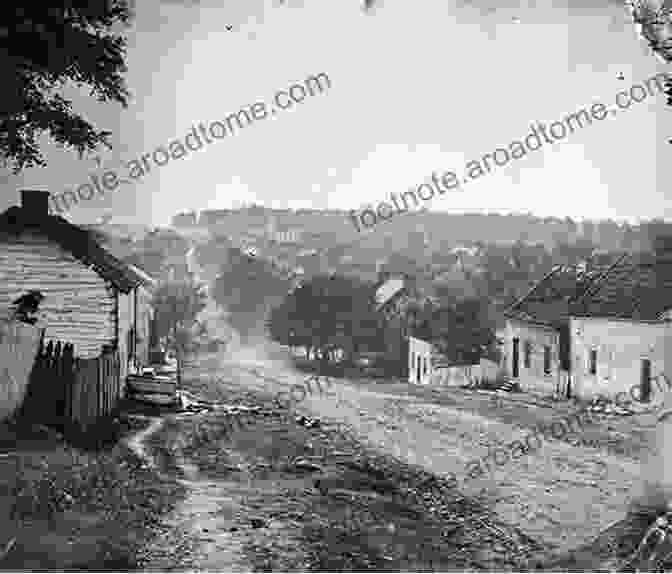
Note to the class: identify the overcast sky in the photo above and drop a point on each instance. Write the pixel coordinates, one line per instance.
(417, 85)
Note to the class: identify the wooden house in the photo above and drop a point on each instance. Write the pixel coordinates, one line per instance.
(92, 300)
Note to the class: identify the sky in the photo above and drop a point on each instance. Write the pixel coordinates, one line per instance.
(416, 86)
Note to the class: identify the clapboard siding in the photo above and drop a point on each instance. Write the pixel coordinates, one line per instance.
(79, 305)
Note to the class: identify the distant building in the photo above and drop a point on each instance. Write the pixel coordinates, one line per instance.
(214, 216)
(288, 236)
(601, 330)
(420, 368)
(185, 219)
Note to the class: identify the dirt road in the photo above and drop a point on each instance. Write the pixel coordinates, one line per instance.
(561, 494)
(275, 493)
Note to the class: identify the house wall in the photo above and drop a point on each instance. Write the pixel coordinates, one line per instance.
(533, 378)
(419, 350)
(620, 346)
(79, 304)
(143, 325)
(126, 323)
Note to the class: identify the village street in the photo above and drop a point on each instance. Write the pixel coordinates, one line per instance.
(560, 496)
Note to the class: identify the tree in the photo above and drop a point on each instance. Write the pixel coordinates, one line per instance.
(247, 287)
(655, 19)
(658, 235)
(42, 50)
(464, 332)
(326, 313)
(177, 305)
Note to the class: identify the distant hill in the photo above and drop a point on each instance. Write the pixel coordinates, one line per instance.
(443, 229)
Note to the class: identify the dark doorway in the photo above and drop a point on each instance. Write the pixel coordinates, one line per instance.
(645, 391)
(418, 374)
(515, 358)
(564, 348)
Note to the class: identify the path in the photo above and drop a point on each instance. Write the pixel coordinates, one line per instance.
(561, 494)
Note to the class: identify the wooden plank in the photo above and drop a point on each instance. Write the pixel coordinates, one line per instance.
(82, 391)
(73, 397)
(153, 398)
(84, 399)
(67, 387)
(152, 387)
(78, 418)
(90, 386)
(74, 406)
(108, 381)
(108, 386)
(92, 390)
(98, 375)
(103, 383)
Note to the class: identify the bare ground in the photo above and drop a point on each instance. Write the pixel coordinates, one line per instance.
(272, 494)
(358, 483)
(571, 494)
(64, 508)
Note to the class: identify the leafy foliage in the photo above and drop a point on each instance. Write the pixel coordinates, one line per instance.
(463, 330)
(659, 236)
(247, 286)
(327, 312)
(44, 48)
(177, 304)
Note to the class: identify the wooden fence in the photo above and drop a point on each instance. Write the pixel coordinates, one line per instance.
(69, 391)
(18, 346)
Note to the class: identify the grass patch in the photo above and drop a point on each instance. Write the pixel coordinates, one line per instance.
(69, 508)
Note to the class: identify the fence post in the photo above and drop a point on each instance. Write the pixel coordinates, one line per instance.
(74, 407)
(68, 382)
(100, 373)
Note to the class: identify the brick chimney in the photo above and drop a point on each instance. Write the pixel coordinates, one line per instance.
(35, 203)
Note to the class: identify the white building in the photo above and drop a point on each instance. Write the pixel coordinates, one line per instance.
(419, 361)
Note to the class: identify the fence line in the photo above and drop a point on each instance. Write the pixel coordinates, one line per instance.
(71, 391)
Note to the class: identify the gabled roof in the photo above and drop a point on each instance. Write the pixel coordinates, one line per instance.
(76, 241)
(143, 277)
(388, 290)
(551, 300)
(638, 288)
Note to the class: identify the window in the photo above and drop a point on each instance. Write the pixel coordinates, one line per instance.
(528, 354)
(424, 369)
(592, 362)
(547, 360)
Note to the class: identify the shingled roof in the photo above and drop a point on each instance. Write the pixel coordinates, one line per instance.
(76, 241)
(638, 288)
(551, 300)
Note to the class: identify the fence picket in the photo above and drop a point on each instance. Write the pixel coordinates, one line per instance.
(84, 390)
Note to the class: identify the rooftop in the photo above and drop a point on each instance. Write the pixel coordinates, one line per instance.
(72, 238)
